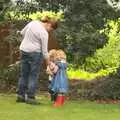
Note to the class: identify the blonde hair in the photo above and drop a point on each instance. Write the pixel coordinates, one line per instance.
(52, 54)
(60, 54)
(54, 23)
(55, 54)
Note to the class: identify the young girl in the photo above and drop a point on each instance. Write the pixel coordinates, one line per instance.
(59, 83)
(51, 70)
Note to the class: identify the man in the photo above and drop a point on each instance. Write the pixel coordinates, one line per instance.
(33, 50)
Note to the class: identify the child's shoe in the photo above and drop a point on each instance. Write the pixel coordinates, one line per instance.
(60, 101)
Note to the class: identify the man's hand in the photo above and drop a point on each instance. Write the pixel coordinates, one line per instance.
(48, 71)
(46, 61)
(18, 32)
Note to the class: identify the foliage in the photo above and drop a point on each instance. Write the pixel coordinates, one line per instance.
(9, 76)
(101, 88)
(39, 15)
(109, 55)
(3, 8)
(79, 74)
(25, 8)
(36, 16)
(54, 5)
(13, 38)
(79, 35)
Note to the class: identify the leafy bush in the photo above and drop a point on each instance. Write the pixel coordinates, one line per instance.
(36, 16)
(81, 74)
(79, 35)
(109, 55)
(9, 76)
(102, 88)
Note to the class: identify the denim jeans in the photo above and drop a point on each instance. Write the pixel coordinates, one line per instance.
(29, 72)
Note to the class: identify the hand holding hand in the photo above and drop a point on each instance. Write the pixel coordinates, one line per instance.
(48, 71)
(55, 69)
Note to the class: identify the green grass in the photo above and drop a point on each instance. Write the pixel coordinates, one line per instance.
(72, 110)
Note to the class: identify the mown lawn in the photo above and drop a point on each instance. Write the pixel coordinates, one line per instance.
(73, 110)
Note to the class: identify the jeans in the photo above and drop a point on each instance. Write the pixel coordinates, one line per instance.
(29, 73)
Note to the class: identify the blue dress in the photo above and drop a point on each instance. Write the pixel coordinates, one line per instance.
(59, 82)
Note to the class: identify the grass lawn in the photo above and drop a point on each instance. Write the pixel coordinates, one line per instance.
(72, 110)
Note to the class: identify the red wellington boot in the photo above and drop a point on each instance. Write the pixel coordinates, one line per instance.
(60, 101)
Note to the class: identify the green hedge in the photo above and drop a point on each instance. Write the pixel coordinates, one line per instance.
(102, 88)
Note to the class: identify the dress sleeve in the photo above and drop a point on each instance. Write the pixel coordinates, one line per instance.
(61, 65)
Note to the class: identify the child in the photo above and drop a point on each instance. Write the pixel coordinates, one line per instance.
(59, 83)
(51, 70)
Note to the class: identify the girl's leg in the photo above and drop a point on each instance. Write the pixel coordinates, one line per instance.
(53, 95)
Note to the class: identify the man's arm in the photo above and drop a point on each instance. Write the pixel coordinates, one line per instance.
(44, 47)
(23, 31)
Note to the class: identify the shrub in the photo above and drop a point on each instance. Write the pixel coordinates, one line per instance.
(109, 55)
(81, 74)
(9, 76)
(36, 16)
(102, 88)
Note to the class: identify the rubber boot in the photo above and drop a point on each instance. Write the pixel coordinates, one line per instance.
(59, 101)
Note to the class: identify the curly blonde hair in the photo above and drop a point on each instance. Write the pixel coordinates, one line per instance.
(53, 22)
(55, 54)
(52, 54)
(60, 55)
